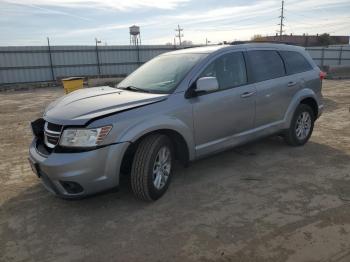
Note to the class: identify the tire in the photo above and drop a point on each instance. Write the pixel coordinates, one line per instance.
(298, 137)
(147, 168)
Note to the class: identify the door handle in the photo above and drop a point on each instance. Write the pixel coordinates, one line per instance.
(292, 84)
(247, 94)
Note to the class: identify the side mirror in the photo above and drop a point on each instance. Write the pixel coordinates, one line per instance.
(206, 84)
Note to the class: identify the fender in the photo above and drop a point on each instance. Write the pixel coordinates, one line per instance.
(297, 98)
(133, 133)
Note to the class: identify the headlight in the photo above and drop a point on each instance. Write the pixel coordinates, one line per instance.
(82, 137)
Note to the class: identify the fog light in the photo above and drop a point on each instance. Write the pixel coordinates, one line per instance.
(72, 187)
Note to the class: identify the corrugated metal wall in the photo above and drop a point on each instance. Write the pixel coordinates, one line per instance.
(330, 56)
(34, 64)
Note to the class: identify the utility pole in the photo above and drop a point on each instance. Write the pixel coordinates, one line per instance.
(281, 22)
(98, 56)
(207, 41)
(179, 33)
(50, 59)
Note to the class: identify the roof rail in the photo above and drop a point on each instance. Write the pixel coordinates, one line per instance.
(261, 42)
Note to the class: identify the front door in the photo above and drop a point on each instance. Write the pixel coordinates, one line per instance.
(230, 110)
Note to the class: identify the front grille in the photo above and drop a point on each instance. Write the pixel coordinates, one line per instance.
(54, 127)
(52, 134)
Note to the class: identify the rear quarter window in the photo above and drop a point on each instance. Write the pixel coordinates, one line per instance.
(295, 62)
(265, 64)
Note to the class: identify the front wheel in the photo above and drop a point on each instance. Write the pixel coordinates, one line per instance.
(301, 126)
(152, 167)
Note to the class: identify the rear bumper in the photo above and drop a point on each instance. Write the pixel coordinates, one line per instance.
(320, 110)
(92, 171)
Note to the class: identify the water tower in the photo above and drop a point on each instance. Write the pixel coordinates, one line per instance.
(135, 37)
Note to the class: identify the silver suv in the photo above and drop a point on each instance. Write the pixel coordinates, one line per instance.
(181, 105)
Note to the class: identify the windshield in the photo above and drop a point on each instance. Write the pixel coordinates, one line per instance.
(161, 74)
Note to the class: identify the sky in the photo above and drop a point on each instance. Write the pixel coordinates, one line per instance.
(77, 22)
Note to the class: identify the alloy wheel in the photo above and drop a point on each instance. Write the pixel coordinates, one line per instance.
(161, 167)
(303, 125)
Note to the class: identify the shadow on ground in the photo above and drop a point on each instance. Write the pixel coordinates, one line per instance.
(251, 202)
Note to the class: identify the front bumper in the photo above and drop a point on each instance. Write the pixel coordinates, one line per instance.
(93, 171)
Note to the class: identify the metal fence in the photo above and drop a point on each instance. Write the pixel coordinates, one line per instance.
(45, 63)
(330, 56)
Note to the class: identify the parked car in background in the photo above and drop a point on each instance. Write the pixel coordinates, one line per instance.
(181, 105)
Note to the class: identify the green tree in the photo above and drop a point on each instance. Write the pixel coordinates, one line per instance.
(325, 39)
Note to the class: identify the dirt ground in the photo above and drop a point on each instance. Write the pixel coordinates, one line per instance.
(264, 201)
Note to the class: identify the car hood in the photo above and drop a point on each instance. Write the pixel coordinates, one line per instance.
(80, 106)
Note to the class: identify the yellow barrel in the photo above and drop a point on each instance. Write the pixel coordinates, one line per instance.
(71, 84)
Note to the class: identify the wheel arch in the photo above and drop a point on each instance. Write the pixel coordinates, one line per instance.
(310, 101)
(304, 96)
(181, 147)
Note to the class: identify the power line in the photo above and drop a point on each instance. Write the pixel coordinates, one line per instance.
(281, 22)
(179, 33)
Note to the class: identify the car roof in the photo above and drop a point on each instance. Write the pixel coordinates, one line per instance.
(219, 48)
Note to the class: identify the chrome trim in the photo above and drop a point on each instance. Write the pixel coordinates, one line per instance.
(48, 144)
(50, 131)
(52, 134)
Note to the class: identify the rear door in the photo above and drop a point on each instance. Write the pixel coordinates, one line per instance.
(269, 74)
(227, 111)
(300, 72)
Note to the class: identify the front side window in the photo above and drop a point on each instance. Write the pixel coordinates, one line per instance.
(295, 62)
(266, 64)
(161, 74)
(229, 70)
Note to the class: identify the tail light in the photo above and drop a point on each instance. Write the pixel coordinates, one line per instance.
(322, 75)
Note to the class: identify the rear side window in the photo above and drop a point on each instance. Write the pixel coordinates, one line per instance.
(295, 62)
(266, 64)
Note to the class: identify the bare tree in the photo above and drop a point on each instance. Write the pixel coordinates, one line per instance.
(257, 38)
(187, 42)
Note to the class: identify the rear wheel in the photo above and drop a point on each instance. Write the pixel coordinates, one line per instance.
(301, 126)
(152, 167)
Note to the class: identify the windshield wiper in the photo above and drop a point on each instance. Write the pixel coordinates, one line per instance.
(134, 88)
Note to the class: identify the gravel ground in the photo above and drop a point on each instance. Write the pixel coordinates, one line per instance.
(260, 202)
